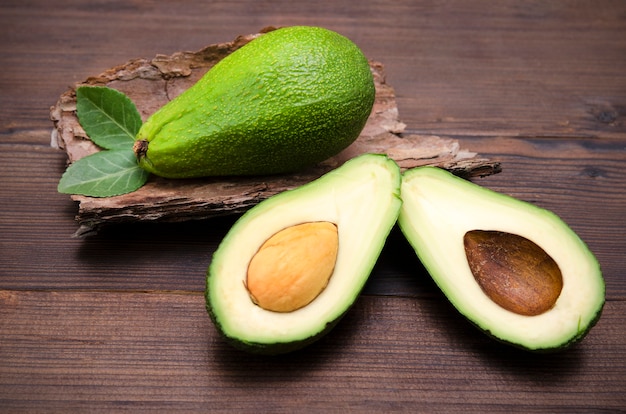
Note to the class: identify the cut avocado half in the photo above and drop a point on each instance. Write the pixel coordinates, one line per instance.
(333, 228)
(483, 249)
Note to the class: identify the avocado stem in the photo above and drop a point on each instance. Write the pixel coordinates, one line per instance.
(140, 148)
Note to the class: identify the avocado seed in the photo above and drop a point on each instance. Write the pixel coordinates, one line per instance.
(513, 271)
(293, 266)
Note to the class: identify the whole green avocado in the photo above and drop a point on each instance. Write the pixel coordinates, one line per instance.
(290, 98)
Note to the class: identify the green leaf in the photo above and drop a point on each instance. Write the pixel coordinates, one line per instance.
(104, 174)
(109, 117)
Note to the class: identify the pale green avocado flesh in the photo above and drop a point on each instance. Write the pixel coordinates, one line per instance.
(439, 208)
(362, 198)
(289, 99)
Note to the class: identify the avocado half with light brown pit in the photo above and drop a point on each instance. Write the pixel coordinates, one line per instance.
(293, 265)
(515, 270)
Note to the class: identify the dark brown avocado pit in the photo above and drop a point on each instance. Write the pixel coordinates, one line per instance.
(513, 271)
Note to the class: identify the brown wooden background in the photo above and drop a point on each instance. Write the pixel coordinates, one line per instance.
(116, 323)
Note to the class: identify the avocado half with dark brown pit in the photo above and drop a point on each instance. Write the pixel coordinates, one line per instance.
(515, 270)
(293, 265)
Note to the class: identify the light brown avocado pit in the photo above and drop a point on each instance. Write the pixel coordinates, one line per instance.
(293, 266)
(513, 271)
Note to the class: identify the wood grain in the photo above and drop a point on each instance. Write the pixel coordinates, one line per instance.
(583, 181)
(100, 351)
(469, 67)
(117, 323)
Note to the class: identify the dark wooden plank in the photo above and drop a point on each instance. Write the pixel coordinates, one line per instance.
(583, 181)
(104, 351)
(515, 69)
(460, 67)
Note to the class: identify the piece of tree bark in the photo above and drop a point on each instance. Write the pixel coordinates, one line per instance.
(152, 83)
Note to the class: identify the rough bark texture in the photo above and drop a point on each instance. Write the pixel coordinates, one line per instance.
(152, 83)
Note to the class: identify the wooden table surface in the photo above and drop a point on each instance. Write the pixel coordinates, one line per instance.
(116, 322)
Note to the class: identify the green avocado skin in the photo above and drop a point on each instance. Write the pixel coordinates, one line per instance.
(273, 349)
(290, 98)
